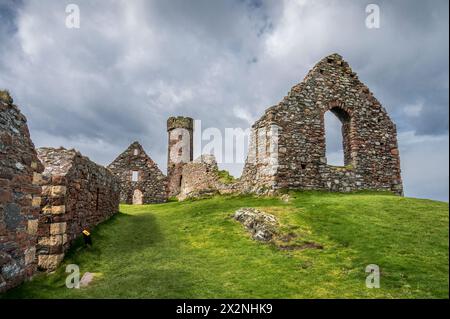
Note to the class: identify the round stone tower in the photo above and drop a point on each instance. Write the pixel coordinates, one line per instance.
(181, 150)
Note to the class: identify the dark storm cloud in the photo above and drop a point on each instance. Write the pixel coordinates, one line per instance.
(134, 63)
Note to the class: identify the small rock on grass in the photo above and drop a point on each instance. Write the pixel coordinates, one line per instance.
(262, 226)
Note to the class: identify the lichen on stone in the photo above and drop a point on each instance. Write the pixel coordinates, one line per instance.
(6, 97)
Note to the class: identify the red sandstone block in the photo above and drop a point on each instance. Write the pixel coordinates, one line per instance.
(5, 196)
(4, 183)
(58, 180)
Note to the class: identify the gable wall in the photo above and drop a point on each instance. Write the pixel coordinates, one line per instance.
(151, 182)
(371, 149)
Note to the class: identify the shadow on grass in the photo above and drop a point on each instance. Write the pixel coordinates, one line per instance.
(115, 242)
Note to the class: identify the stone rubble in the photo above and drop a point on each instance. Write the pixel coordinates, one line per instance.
(262, 226)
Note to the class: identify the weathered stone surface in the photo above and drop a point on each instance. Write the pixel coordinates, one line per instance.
(297, 158)
(151, 183)
(12, 216)
(58, 228)
(262, 226)
(58, 191)
(30, 255)
(180, 151)
(18, 165)
(77, 194)
(50, 262)
(32, 227)
(201, 178)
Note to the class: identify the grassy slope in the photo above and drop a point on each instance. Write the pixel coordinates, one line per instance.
(196, 250)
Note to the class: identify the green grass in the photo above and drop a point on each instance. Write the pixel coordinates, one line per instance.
(195, 249)
(225, 177)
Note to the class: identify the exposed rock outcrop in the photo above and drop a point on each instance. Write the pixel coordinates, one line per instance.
(262, 226)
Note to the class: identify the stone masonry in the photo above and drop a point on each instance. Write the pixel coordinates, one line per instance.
(201, 178)
(180, 150)
(77, 194)
(288, 143)
(20, 196)
(141, 180)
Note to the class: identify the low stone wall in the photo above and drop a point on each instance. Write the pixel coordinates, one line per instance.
(77, 194)
(201, 178)
(19, 196)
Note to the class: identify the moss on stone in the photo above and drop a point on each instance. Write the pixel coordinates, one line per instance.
(225, 177)
(180, 122)
(5, 97)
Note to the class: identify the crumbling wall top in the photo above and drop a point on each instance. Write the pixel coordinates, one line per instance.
(6, 97)
(180, 122)
(57, 161)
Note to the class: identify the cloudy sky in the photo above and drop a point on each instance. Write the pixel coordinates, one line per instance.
(134, 63)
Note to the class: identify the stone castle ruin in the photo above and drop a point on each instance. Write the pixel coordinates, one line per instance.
(48, 197)
(287, 144)
(140, 178)
(298, 161)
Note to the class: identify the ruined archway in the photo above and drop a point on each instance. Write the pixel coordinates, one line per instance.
(137, 197)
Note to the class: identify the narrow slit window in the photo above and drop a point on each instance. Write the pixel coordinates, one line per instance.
(97, 199)
(134, 176)
(334, 140)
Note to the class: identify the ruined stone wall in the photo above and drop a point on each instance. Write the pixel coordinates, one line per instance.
(151, 184)
(19, 196)
(180, 150)
(369, 136)
(77, 194)
(261, 167)
(201, 178)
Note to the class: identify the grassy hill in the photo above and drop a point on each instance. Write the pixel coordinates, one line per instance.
(195, 249)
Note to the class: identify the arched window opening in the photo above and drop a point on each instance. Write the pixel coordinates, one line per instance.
(337, 135)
